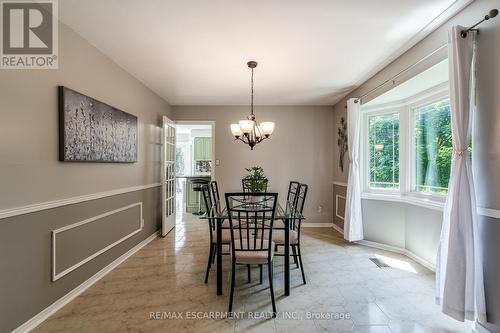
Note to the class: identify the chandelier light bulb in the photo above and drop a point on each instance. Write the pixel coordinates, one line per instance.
(267, 128)
(236, 130)
(246, 126)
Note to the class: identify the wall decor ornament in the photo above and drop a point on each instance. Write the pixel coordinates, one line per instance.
(92, 131)
(342, 142)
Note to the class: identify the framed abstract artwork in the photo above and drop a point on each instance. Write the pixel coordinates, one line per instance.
(93, 131)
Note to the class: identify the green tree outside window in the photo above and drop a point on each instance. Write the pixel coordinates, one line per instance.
(384, 151)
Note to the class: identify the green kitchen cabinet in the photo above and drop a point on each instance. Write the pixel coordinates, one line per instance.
(202, 149)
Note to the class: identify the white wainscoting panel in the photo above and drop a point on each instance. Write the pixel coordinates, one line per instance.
(55, 274)
(57, 305)
(337, 196)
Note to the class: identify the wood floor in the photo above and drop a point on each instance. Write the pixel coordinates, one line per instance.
(161, 289)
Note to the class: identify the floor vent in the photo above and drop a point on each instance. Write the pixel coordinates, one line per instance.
(379, 263)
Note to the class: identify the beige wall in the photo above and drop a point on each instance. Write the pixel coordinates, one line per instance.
(300, 149)
(486, 149)
(29, 168)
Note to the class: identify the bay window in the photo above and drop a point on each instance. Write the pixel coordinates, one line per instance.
(407, 147)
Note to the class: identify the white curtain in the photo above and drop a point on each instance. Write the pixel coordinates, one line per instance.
(353, 222)
(459, 271)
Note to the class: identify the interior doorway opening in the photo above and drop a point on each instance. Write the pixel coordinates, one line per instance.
(194, 166)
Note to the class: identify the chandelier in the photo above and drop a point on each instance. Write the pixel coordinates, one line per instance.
(249, 131)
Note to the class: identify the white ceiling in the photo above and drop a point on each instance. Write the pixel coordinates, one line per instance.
(194, 52)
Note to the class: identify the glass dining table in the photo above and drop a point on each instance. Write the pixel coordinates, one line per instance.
(285, 213)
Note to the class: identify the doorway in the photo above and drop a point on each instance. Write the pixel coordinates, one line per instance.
(195, 151)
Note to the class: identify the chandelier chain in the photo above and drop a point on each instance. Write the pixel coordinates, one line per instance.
(251, 105)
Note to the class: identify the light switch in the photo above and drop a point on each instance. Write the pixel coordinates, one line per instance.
(217, 162)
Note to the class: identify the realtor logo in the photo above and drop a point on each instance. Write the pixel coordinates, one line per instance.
(29, 34)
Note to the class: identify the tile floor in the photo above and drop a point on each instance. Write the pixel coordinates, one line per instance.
(345, 292)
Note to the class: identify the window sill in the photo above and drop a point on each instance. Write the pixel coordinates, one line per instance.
(421, 202)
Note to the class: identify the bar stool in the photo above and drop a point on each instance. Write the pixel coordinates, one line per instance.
(198, 187)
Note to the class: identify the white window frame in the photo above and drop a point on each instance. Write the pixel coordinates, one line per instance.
(365, 137)
(405, 108)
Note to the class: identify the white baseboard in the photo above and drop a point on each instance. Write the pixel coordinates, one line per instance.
(400, 250)
(381, 246)
(421, 260)
(317, 224)
(478, 328)
(324, 225)
(338, 229)
(54, 307)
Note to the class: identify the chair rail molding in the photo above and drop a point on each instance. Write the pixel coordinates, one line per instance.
(10, 212)
(494, 213)
(55, 275)
(439, 206)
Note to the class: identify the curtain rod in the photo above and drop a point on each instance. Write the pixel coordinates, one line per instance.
(492, 13)
(392, 79)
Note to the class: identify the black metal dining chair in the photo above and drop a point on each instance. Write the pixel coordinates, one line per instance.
(251, 218)
(295, 228)
(293, 188)
(215, 193)
(291, 196)
(211, 210)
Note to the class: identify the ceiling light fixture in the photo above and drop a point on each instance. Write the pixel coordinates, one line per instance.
(249, 131)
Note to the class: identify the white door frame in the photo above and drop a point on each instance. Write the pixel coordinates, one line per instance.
(203, 122)
(168, 190)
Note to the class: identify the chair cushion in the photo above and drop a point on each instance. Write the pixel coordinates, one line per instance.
(254, 256)
(279, 237)
(278, 224)
(226, 236)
